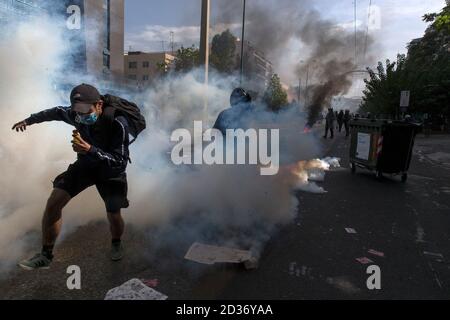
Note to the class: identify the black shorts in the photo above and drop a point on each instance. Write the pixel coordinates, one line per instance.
(112, 188)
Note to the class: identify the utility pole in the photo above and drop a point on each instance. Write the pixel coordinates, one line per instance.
(172, 37)
(204, 48)
(242, 44)
(306, 87)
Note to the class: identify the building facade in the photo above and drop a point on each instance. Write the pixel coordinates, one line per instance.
(258, 70)
(141, 68)
(94, 30)
(104, 32)
(18, 10)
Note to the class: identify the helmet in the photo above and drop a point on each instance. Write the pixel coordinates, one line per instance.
(239, 96)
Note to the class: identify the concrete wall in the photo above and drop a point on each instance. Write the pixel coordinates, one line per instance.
(140, 71)
(96, 27)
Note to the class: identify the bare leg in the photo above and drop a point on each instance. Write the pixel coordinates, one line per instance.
(116, 224)
(52, 220)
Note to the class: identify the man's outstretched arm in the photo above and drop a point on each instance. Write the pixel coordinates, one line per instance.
(55, 114)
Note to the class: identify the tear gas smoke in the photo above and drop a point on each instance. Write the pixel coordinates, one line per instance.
(222, 204)
(293, 33)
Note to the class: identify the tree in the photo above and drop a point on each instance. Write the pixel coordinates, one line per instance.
(187, 59)
(223, 52)
(425, 71)
(275, 97)
(382, 92)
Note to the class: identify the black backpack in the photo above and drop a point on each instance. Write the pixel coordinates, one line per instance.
(115, 106)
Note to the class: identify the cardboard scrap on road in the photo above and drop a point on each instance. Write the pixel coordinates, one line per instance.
(376, 253)
(207, 254)
(134, 289)
(364, 260)
(350, 230)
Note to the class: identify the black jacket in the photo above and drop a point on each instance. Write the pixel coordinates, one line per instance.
(112, 154)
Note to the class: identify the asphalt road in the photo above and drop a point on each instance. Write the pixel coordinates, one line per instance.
(312, 258)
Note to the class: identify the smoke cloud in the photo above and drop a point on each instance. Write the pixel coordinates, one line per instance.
(302, 44)
(219, 204)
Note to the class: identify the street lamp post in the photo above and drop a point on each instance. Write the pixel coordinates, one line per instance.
(204, 50)
(242, 43)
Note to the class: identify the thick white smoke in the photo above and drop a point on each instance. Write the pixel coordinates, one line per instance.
(223, 204)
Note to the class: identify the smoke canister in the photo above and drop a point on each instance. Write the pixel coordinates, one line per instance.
(76, 137)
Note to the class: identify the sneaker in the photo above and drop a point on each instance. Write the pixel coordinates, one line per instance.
(39, 261)
(116, 252)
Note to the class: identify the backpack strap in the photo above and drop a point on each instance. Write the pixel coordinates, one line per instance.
(106, 123)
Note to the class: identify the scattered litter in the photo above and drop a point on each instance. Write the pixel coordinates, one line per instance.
(432, 254)
(210, 255)
(350, 230)
(297, 271)
(364, 260)
(134, 289)
(343, 284)
(152, 283)
(376, 253)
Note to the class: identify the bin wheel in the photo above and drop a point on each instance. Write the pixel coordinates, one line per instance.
(353, 167)
(404, 177)
(379, 174)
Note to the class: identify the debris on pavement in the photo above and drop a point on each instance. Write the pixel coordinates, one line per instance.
(364, 260)
(343, 284)
(152, 283)
(350, 230)
(376, 253)
(134, 289)
(332, 162)
(207, 254)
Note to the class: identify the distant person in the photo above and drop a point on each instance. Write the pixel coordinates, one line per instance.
(329, 123)
(234, 117)
(335, 118)
(346, 120)
(340, 120)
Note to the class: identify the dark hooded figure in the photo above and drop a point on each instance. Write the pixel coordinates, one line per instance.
(347, 118)
(329, 123)
(234, 117)
(340, 120)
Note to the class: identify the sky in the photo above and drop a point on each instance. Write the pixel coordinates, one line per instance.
(150, 22)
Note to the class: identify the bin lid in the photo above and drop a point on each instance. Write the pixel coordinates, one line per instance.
(368, 122)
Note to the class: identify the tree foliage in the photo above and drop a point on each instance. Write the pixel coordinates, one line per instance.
(187, 59)
(275, 97)
(425, 71)
(223, 52)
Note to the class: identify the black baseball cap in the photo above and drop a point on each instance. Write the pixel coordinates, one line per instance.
(83, 97)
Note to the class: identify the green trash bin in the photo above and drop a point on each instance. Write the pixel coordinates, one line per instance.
(382, 146)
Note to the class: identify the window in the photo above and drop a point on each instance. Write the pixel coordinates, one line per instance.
(132, 77)
(132, 65)
(145, 78)
(146, 64)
